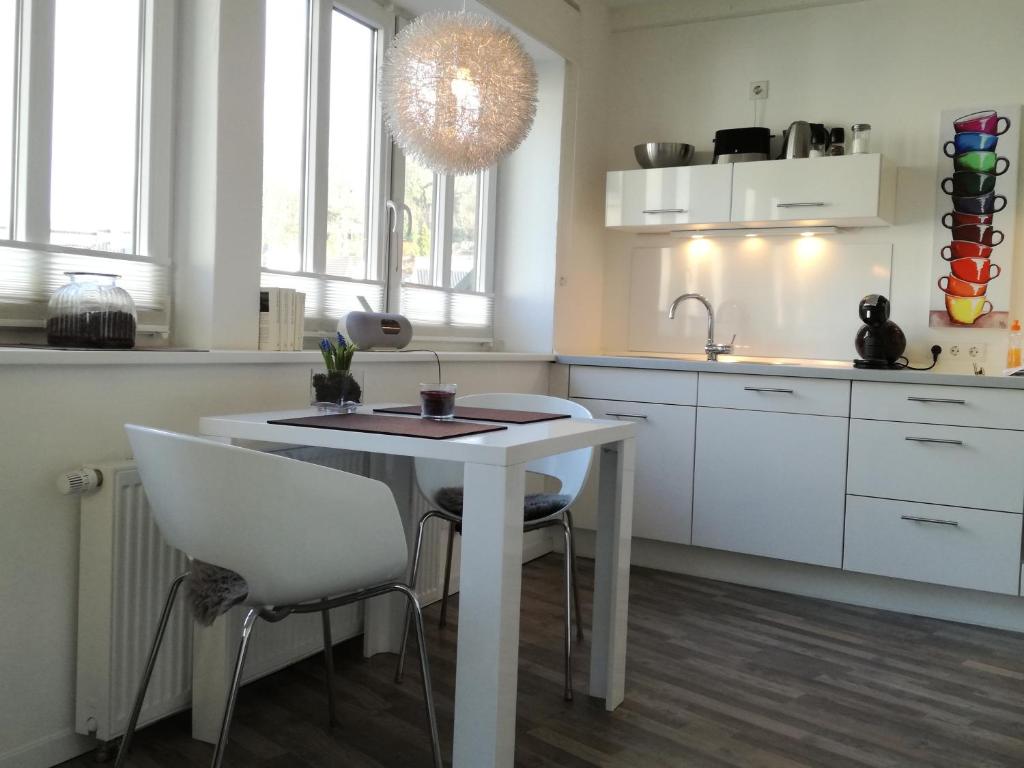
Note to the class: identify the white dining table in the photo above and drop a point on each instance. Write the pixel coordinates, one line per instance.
(492, 559)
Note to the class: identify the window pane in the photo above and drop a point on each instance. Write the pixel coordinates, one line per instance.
(418, 224)
(95, 84)
(465, 233)
(284, 117)
(350, 163)
(7, 19)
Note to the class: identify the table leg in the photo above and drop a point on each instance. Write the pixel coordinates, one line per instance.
(488, 649)
(611, 573)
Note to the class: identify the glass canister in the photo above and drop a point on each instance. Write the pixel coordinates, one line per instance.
(91, 311)
(861, 138)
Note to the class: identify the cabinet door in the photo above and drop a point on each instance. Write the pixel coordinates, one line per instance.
(812, 191)
(770, 484)
(667, 197)
(663, 484)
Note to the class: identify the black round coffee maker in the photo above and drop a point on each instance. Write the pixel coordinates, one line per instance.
(880, 342)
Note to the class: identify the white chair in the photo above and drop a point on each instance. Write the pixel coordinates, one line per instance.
(437, 479)
(304, 537)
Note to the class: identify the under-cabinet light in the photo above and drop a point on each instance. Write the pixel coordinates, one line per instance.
(762, 232)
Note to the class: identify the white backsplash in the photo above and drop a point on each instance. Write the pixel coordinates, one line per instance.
(782, 297)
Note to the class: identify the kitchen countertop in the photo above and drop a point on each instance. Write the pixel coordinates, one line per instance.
(767, 366)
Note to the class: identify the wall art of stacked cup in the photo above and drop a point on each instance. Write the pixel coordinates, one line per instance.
(976, 170)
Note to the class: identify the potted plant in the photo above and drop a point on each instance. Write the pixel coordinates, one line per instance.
(337, 385)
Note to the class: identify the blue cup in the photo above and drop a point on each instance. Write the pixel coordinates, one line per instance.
(979, 204)
(970, 142)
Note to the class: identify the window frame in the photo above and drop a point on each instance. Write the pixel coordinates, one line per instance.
(32, 148)
(387, 178)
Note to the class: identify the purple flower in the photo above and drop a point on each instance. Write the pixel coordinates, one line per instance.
(341, 341)
(325, 345)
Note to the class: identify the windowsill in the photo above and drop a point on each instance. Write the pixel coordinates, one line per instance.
(12, 356)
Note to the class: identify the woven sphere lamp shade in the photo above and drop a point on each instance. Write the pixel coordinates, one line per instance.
(458, 91)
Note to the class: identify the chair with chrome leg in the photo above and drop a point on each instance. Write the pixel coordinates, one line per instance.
(304, 538)
(440, 483)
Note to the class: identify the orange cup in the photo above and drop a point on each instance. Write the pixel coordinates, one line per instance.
(956, 287)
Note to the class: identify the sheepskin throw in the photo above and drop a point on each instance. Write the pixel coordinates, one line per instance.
(535, 505)
(213, 590)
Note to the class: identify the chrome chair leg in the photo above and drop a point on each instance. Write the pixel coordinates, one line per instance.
(447, 576)
(325, 617)
(575, 578)
(229, 707)
(428, 692)
(400, 670)
(568, 610)
(140, 697)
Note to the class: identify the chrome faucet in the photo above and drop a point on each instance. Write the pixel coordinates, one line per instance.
(713, 350)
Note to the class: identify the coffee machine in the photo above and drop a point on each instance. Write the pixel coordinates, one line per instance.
(880, 342)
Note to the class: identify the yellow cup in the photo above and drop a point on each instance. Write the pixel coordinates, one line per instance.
(967, 309)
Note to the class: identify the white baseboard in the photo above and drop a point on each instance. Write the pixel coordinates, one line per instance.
(964, 605)
(48, 750)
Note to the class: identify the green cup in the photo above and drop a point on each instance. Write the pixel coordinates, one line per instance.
(981, 162)
(969, 183)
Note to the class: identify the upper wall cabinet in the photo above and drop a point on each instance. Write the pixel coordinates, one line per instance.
(849, 191)
(663, 199)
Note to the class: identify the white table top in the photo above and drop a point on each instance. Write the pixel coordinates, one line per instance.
(518, 444)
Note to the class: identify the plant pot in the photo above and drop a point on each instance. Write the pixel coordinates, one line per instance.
(335, 387)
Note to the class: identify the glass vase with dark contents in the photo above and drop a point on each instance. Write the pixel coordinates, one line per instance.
(91, 311)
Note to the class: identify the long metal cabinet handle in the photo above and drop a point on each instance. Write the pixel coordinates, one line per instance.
(801, 205)
(769, 389)
(627, 416)
(665, 210)
(934, 520)
(934, 440)
(950, 400)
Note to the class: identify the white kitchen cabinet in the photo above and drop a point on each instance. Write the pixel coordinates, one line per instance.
(770, 484)
(931, 404)
(668, 198)
(789, 394)
(969, 548)
(663, 484)
(937, 464)
(633, 384)
(848, 191)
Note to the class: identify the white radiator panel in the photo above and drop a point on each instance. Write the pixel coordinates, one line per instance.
(125, 570)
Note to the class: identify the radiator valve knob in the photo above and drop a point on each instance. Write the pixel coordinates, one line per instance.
(79, 481)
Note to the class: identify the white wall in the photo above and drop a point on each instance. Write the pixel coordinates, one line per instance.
(527, 226)
(54, 418)
(892, 63)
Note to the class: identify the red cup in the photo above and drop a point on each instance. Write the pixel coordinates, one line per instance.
(956, 287)
(982, 122)
(957, 219)
(964, 249)
(975, 270)
(977, 233)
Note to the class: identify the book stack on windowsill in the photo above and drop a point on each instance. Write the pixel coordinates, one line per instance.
(282, 319)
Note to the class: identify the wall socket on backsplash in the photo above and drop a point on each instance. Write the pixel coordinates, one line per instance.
(972, 350)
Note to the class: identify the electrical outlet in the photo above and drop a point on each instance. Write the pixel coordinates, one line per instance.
(758, 90)
(977, 351)
(954, 350)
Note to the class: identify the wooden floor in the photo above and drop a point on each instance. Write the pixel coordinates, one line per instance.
(718, 675)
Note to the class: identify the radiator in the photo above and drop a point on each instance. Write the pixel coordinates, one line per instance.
(125, 569)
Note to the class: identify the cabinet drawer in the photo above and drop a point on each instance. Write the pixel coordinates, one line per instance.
(813, 191)
(958, 466)
(633, 384)
(663, 482)
(667, 197)
(931, 404)
(770, 484)
(822, 397)
(969, 548)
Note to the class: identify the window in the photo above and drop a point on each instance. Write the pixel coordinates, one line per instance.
(329, 194)
(75, 140)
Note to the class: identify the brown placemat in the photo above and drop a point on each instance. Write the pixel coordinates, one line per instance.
(484, 414)
(390, 425)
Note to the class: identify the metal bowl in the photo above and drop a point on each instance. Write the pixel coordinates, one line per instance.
(663, 154)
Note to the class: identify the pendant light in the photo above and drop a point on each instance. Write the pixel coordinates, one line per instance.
(458, 91)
